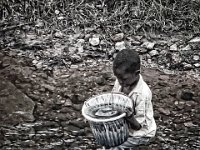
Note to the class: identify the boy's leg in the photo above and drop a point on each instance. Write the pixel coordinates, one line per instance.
(132, 143)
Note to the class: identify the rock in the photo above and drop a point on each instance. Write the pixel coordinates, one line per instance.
(1, 61)
(45, 133)
(190, 103)
(60, 116)
(153, 53)
(75, 145)
(156, 114)
(87, 37)
(189, 124)
(26, 115)
(80, 42)
(187, 66)
(80, 49)
(58, 34)
(80, 124)
(39, 65)
(75, 98)
(75, 58)
(35, 62)
(100, 80)
(197, 65)
(187, 95)
(148, 45)
(39, 24)
(73, 129)
(120, 46)
(107, 75)
(94, 41)
(149, 61)
(68, 102)
(111, 52)
(173, 47)
(69, 141)
(72, 50)
(74, 67)
(164, 111)
(103, 43)
(196, 57)
(118, 37)
(27, 143)
(180, 104)
(186, 48)
(162, 42)
(77, 107)
(133, 41)
(141, 50)
(195, 40)
(61, 18)
(15, 106)
(57, 143)
(128, 44)
(161, 138)
(57, 12)
(176, 58)
(48, 87)
(47, 124)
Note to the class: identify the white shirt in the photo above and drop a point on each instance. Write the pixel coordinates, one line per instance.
(141, 96)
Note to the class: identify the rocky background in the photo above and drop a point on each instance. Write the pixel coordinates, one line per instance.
(46, 74)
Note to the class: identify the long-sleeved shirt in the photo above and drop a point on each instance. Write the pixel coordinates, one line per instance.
(141, 96)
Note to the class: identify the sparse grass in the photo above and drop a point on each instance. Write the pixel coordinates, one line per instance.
(108, 15)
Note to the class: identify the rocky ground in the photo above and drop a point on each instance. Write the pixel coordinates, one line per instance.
(45, 78)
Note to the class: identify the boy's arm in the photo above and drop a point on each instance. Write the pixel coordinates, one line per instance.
(133, 122)
(138, 120)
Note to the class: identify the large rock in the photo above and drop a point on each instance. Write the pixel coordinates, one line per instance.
(174, 47)
(15, 106)
(118, 37)
(148, 45)
(94, 41)
(120, 46)
(153, 53)
(195, 40)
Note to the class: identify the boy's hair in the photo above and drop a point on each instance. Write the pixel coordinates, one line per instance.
(127, 58)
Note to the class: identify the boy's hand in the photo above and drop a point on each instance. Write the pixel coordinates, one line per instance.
(133, 122)
(129, 112)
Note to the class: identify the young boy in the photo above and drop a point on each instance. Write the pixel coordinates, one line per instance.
(142, 126)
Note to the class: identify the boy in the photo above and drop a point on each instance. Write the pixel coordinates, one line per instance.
(142, 126)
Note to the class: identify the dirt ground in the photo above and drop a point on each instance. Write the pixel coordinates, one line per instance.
(58, 96)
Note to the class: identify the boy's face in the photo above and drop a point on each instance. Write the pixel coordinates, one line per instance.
(126, 79)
